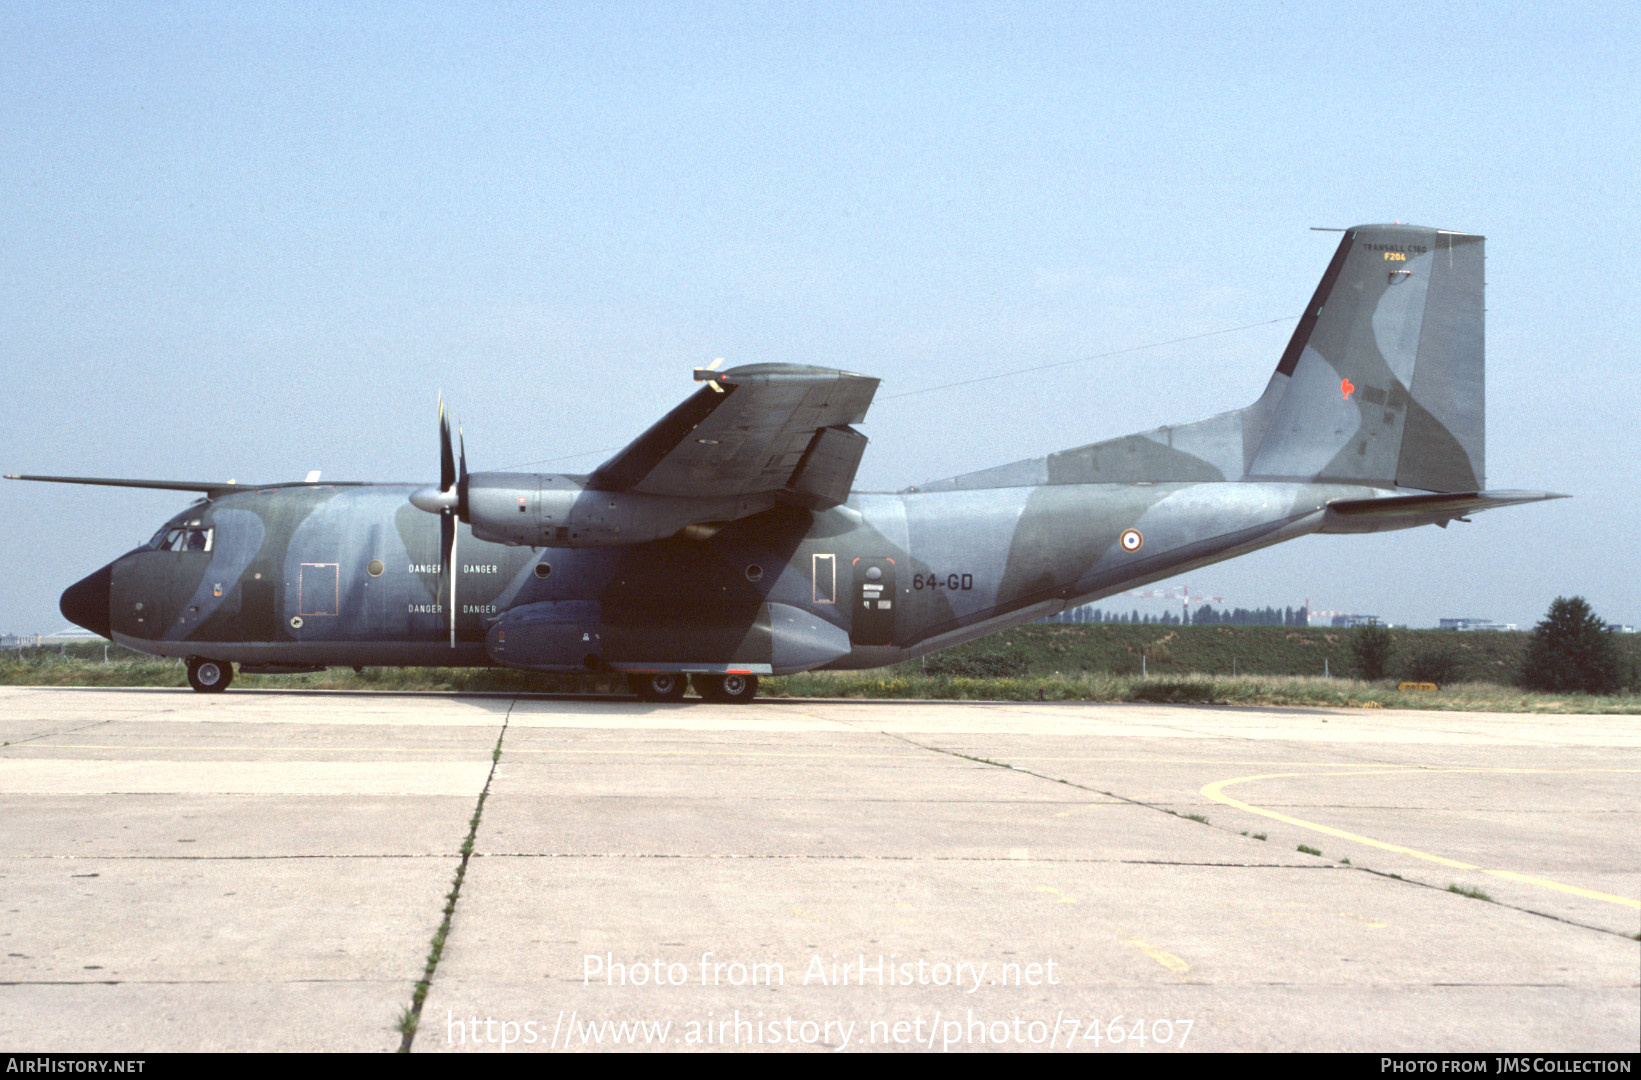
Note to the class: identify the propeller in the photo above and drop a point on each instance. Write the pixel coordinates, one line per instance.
(449, 501)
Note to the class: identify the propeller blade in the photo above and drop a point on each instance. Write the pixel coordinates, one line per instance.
(447, 556)
(446, 496)
(461, 482)
(447, 455)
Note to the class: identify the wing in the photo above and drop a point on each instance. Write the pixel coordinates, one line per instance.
(781, 428)
(211, 488)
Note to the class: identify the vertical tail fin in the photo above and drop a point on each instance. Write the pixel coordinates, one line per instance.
(1382, 382)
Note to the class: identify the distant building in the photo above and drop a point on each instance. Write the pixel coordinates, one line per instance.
(1619, 628)
(1348, 622)
(1473, 624)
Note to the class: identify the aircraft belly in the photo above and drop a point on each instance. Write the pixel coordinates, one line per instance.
(319, 653)
(578, 635)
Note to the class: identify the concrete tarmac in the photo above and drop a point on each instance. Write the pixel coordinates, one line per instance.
(267, 870)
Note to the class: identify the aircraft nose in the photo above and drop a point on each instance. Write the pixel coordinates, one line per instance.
(85, 603)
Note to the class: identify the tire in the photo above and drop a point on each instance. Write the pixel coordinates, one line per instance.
(209, 676)
(658, 686)
(726, 689)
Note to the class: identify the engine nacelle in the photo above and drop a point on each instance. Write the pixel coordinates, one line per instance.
(550, 510)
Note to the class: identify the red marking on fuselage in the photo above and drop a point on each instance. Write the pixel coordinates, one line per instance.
(1345, 387)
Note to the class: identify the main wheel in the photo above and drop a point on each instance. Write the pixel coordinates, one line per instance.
(658, 686)
(729, 689)
(209, 676)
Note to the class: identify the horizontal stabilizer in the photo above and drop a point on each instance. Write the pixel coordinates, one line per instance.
(1409, 511)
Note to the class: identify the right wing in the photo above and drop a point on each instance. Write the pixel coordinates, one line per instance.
(759, 428)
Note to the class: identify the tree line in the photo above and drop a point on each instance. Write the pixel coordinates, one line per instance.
(1206, 615)
(1571, 651)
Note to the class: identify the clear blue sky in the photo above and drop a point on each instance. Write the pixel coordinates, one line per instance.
(253, 240)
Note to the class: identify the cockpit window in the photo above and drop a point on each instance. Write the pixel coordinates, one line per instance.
(182, 538)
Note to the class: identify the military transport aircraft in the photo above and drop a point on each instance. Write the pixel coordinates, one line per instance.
(725, 542)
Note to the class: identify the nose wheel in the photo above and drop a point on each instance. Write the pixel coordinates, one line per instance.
(726, 689)
(658, 686)
(209, 676)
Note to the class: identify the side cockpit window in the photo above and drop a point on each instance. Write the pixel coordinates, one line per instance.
(182, 538)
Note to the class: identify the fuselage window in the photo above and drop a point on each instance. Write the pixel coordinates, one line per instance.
(825, 579)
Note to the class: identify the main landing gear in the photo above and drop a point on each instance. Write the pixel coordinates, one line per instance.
(209, 676)
(669, 686)
(659, 686)
(726, 689)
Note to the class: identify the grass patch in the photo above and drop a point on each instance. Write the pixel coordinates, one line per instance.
(1033, 663)
(1308, 850)
(1474, 894)
(1197, 817)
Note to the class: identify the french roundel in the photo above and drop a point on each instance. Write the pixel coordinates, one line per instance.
(1131, 540)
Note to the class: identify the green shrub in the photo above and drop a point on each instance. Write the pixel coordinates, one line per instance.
(1370, 650)
(981, 666)
(1570, 650)
(1175, 691)
(1433, 664)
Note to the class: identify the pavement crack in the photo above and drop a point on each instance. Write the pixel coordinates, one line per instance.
(1044, 776)
(859, 857)
(412, 1014)
(230, 858)
(57, 734)
(1229, 831)
(1416, 883)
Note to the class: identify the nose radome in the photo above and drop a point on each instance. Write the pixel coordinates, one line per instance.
(85, 603)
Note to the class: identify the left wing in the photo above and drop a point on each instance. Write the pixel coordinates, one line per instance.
(759, 428)
(211, 488)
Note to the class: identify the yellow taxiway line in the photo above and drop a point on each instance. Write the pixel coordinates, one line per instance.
(1215, 791)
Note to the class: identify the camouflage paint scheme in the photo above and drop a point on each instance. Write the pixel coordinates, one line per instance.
(1373, 420)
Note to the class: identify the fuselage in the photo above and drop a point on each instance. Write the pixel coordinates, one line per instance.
(353, 576)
